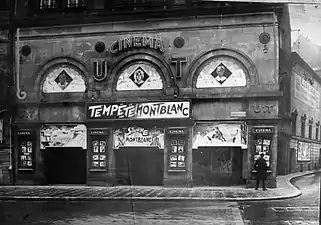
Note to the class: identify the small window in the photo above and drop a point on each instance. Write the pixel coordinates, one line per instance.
(75, 3)
(179, 2)
(317, 128)
(294, 125)
(48, 4)
(294, 117)
(303, 119)
(310, 128)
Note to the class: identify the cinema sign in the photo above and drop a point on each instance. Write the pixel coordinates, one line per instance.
(138, 110)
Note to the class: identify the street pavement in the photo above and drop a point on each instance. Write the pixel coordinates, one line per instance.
(285, 211)
(284, 190)
(303, 210)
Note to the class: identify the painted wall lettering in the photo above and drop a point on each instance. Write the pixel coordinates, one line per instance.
(137, 42)
(147, 110)
(179, 64)
(100, 69)
(263, 108)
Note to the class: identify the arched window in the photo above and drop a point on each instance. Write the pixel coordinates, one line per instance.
(317, 126)
(303, 119)
(310, 127)
(294, 117)
(63, 78)
(139, 76)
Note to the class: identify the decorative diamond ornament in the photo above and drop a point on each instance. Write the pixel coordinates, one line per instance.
(221, 73)
(63, 80)
(139, 76)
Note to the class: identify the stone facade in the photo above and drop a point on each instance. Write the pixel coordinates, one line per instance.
(305, 103)
(6, 94)
(223, 70)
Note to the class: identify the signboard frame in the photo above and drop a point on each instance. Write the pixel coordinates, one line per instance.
(303, 149)
(177, 143)
(137, 110)
(99, 144)
(26, 150)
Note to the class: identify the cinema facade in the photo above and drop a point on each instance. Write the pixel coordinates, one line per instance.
(143, 106)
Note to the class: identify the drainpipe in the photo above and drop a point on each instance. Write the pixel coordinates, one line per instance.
(21, 95)
(10, 152)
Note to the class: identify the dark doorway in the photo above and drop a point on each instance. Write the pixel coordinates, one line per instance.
(217, 166)
(65, 165)
(139, 166)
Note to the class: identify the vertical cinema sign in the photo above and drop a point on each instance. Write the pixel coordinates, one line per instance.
(137, 42)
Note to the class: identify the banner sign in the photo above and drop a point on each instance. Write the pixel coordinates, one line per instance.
(63, 136)
(220, 134)
(305, 92)
(138, 137)
(147, 110)
(304, 151)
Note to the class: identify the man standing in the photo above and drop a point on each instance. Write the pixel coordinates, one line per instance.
(260, 167)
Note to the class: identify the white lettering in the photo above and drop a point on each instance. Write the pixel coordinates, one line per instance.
(141, 110)
(93, 109)
(98, 112)
(114, 108)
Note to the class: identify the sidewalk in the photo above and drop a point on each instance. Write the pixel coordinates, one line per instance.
(284, 190)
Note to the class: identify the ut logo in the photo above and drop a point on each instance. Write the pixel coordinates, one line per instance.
(100, 69)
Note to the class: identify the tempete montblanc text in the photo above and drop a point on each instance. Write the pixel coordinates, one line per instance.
(138, 110)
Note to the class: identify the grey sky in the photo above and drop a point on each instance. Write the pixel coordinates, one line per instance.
(307, 18)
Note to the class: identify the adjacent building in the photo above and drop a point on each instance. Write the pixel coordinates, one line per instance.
(190, 96)
(305, 145)
(6, 92)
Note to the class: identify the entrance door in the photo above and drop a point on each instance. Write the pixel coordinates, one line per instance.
(65, 165)
(140, 166)
(217, 166)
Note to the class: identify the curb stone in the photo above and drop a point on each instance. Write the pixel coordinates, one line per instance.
(288, 180)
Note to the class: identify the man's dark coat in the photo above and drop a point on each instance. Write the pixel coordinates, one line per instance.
(261, 168)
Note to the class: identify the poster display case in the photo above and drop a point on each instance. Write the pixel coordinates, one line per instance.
(177, 149)
(26, 151)
(262, 144)
(98, 147)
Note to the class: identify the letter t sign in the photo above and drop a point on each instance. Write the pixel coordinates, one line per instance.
(178, 62)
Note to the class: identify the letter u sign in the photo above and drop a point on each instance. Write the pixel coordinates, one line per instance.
(100, 69)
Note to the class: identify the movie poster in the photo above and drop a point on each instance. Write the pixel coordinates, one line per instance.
(138, 136)
(63, 136)
(220, 134)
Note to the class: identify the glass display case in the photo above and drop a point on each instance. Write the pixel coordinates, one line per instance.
(26, 152)
(99, 153)
(263, 137)
(177, 149)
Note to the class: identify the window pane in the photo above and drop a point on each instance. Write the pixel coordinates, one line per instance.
(44, 4)
(75, 3)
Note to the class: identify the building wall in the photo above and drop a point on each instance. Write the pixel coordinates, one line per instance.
(305, 101)
(6, 93)
(233, 36)
(285, 72)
